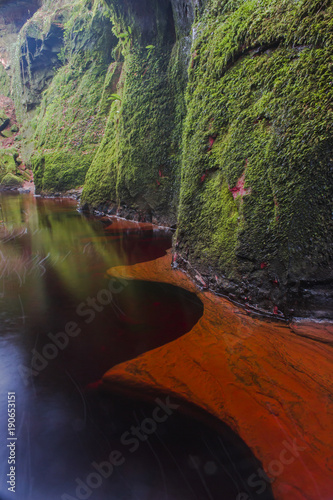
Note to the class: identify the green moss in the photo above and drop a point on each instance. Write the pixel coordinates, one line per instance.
(260, 87)
(150, 134)
(219, 234)
(4, 82)
(9, 175)
(60, 170)
(7, 160)
(101, 180)
(10, 180)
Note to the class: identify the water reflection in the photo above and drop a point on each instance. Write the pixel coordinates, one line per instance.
(42, 233)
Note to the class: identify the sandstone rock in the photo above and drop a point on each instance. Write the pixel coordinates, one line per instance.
(271, 383)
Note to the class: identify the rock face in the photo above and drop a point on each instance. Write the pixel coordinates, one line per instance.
(39, 59)
(138, 165)
(212, 115)
(13, 173)
(71, 120)
(255, 201)
(13, 15)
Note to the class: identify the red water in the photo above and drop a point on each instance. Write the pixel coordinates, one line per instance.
(63, 323)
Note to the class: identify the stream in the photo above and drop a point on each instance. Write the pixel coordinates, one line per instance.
(63, 324)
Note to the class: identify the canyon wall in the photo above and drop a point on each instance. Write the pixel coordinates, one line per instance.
(255, 212)
(210, 116)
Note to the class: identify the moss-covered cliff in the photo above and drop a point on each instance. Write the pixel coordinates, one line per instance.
(256, 195)
(137, 168)
(215, 115)
(72, 114)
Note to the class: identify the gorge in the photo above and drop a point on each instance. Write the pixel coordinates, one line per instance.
(211, 119)
(212, 116)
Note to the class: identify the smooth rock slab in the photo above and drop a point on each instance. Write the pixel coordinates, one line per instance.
(270, 384)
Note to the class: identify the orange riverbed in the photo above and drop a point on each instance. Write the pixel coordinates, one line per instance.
(270, 382)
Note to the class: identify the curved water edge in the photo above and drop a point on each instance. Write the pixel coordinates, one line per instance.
(64, 322)
(244, 370)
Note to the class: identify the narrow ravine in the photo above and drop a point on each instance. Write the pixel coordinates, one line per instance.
(166, 250)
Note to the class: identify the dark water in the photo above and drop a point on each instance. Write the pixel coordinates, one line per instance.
(63, 324)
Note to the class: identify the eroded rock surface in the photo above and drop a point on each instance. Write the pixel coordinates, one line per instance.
(270, 382)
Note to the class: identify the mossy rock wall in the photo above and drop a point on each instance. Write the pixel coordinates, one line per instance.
(4, 82)
(72, 116)
(10, 175)
(255, 212)
(137, 168)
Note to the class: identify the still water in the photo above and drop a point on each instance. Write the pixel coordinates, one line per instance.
(63, 324)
